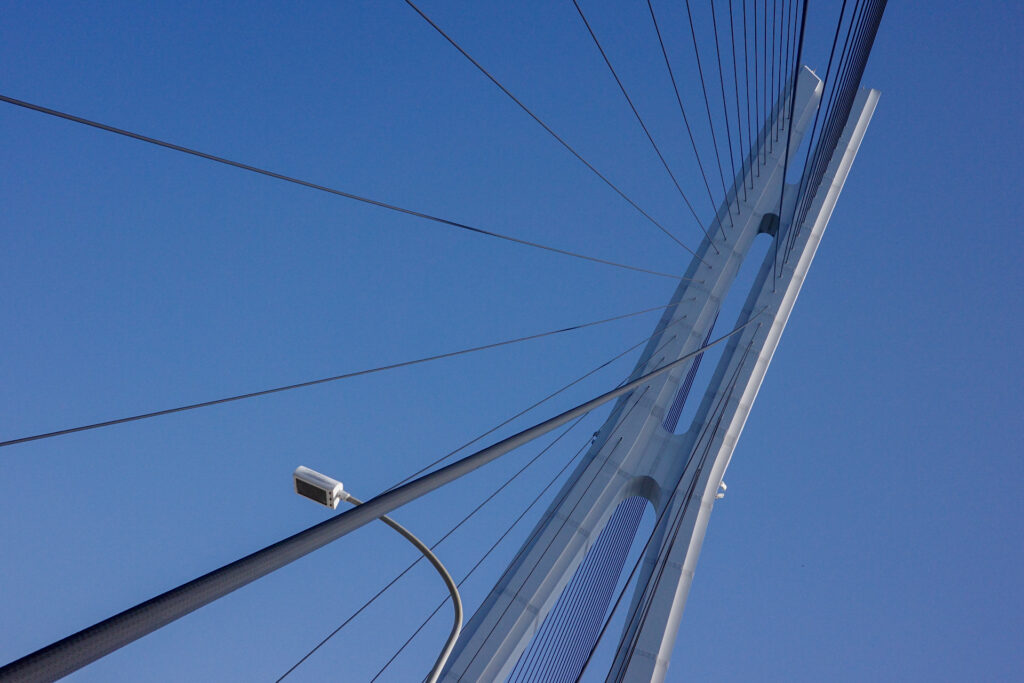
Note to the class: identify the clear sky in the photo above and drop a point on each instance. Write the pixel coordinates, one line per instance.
(873, 526)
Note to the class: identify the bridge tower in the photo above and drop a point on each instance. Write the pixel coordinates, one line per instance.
(636, 452)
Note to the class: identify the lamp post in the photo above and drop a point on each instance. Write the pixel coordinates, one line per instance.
(329, 492)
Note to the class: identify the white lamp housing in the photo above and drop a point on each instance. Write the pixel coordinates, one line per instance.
(318, 487)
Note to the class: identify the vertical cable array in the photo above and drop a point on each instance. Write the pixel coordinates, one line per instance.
(571, 627)
(860, 37)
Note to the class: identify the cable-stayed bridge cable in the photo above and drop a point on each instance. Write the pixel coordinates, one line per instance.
(545, 126)
(686, 120)
(323, 188)
(707, 107)
(321, 380)
(647, 132)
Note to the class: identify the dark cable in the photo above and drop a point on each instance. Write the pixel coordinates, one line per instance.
(789, 137)
(736, 89)
(725, 107)
(686, 120)
(814, 128)
(322, 380)
(658, 330)
(321, 188)
(543, 125)
(640, 120)
(707, 108)
(746, 80)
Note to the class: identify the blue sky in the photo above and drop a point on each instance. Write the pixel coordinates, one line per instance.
(872, 528)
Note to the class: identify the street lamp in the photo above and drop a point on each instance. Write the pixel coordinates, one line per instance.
(329, 492)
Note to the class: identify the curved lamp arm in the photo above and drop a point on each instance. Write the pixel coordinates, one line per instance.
(435, 672)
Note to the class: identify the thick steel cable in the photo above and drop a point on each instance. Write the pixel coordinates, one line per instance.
(433, 546)
(425, 468)
(321, 188)
(543, 125)
(707, 107)
(314, 382)
(686, 120)
(647, 132)
(89, 644)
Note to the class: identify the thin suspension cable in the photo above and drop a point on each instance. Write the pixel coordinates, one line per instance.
(89, 644)
(746, 80)
(757, 94)
(436, 462)
(789, 137)
(321, 188)
(774, 72)
(825, 83)
(764, 82)
(322, 380)
(647, 132)
(843, 95)
(433, 546)
(736, 89)
(543, 125)
(725, 107)
(707, 107)
(686, 120)
(838, 77)
(658, 330)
